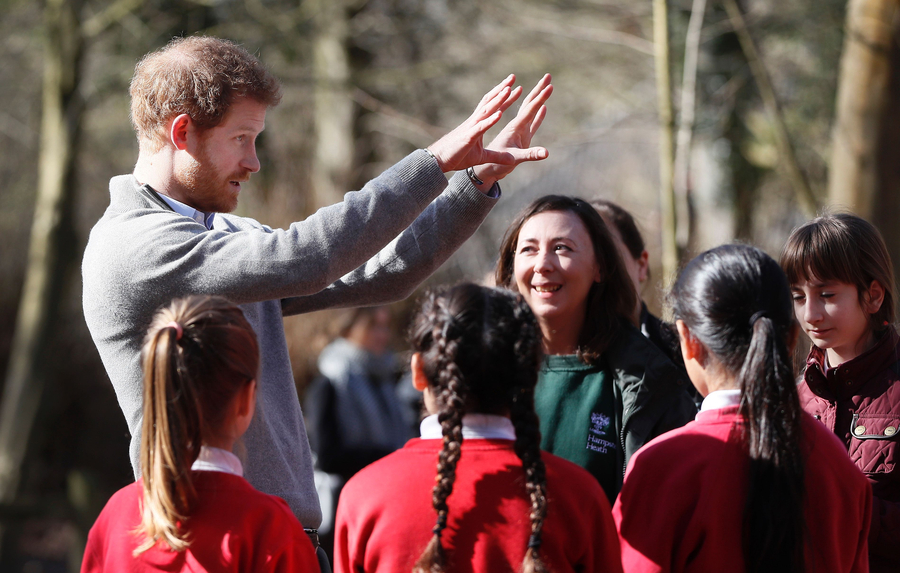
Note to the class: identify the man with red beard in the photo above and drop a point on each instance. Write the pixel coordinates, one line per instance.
(198, 106)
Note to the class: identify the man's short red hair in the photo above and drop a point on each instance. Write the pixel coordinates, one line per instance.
(198, 76)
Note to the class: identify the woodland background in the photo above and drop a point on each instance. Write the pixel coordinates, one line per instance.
(774, 110)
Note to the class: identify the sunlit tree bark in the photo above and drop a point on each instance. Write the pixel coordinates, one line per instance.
(666, 143)
(865, 73)
(333, 117)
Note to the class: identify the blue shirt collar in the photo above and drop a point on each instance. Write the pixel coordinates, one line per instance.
(205, 219)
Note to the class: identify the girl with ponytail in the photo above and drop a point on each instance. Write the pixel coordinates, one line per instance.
(753, 484)
(192, 510)
(497, 503)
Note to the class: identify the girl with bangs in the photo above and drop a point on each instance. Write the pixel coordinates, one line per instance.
(842, 284)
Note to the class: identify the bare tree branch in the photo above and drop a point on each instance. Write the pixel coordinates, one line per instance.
(100, 22)
(789, 163)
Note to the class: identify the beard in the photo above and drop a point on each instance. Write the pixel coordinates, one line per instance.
(206, 187)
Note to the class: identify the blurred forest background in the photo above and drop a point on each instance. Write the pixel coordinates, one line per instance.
(753, 116)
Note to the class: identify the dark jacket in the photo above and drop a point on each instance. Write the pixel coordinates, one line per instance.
(665, 337)
(860, 402)
(599, 415)
(650, 389)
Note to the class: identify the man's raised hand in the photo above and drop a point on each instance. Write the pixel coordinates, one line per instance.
(514, 140)
(464, 146)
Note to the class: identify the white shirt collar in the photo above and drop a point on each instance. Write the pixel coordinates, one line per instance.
(721, 399)
(217, 460)
(205, 219)
(484, 426)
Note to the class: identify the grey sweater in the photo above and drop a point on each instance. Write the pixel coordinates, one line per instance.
(375, 247)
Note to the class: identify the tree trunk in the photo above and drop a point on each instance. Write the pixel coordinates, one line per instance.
(682, 187)
(51, 235)
(790, 167)
(334, 147)
(666, 152)
(865, 73)
(887, 196)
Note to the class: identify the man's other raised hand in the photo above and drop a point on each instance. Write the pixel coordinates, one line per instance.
(464, 146)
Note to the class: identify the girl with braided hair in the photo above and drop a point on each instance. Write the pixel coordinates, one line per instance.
(754, 484)
(497, 503)
(192, 510)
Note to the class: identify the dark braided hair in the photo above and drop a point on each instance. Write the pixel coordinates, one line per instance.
(736, 301)
(481, 350)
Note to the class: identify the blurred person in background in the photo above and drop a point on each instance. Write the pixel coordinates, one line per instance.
(353, 412)
(634, 255)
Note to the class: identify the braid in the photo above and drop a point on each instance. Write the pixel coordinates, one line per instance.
(527, 446)
(452, 403)
(528, 436)
(480, 351)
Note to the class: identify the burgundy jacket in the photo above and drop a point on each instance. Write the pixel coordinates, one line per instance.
(860, 402)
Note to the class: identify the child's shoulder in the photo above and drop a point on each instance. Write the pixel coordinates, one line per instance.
(562, 473)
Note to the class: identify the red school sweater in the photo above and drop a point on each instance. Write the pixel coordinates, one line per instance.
(233, 528)
(682, 503)
(385, 516)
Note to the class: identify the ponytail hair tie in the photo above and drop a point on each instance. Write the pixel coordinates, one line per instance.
(178, 330)
(757, 315)
(534, 541)
(440, 525)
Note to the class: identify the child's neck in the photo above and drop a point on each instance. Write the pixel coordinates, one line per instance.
(837, 356)
(221, 442)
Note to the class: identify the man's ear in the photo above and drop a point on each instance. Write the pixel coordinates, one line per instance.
(419, 381)
(179, 131)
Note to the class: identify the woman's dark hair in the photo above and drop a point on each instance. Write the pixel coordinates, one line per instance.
(609, 301)
(736, 301)
(481, 350)
(624, 223)
(845, 248)
(198, 353)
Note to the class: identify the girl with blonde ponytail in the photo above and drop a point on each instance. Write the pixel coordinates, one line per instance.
(753, 484)
(192, 510)
(497, 502)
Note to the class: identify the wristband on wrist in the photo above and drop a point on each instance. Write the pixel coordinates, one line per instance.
(470, 171)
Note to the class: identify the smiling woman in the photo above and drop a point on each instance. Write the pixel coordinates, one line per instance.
(560, 256)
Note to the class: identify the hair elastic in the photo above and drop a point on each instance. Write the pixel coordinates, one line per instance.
(534, 541)
(757, 315)
(440, 525)
(178, 330)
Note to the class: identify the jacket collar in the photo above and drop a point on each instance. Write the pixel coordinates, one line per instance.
(846, 379)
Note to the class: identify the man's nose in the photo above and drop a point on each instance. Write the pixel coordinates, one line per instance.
(250, 161)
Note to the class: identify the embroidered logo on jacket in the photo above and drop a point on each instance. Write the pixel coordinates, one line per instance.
(599, 427)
